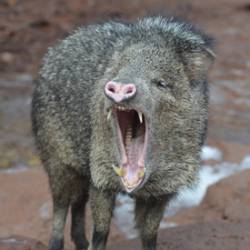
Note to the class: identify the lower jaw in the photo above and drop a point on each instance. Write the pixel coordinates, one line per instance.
(132, 178)
(133, 168)
(132, 175)
(131, 188)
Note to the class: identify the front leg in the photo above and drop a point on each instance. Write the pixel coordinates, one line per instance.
(148, 214)
(59, 217)
(102, 204)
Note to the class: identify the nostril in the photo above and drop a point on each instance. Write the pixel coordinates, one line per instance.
(130, 90)
(111, 89)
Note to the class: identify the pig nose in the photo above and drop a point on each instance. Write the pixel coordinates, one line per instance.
(119, 92)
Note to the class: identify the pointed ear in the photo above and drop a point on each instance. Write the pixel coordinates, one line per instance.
(198, 62)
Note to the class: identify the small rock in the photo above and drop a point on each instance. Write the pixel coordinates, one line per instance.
(45, 210)
(7, 57)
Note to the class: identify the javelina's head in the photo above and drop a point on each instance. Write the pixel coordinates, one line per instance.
(153, 102)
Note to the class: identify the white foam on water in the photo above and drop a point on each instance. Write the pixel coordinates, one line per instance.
(165, 224)
(245, 164)
(15, 170)
(11, 240)
(211, 153)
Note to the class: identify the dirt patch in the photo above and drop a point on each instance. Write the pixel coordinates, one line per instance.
(206, 236)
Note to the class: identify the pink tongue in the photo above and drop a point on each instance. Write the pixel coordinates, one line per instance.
(134, 152)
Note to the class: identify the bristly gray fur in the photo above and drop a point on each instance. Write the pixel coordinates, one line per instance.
(78, 145)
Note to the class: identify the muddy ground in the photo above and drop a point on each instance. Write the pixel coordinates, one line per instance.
(28, 27)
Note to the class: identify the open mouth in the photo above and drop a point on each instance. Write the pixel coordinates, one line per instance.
(132, 139)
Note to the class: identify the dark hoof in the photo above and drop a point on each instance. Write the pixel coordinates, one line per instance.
(56, 244)
(82, 246)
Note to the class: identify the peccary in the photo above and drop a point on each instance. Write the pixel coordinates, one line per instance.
(121, 107)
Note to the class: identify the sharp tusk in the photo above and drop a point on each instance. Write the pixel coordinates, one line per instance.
(141, 173)
(119, 171)
(109, 114)
(140, 116)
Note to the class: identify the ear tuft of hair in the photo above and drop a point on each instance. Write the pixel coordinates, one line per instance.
(195, 47)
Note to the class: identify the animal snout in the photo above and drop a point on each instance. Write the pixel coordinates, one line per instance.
(119, 92)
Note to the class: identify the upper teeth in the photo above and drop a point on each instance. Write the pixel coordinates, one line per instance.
(125, 109)
(140, 116)
(121, 108)
(109, 114)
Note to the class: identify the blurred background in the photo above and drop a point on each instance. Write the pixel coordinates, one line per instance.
(222, 199)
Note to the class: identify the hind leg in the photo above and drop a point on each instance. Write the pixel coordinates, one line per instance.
(60, 211)
(77, 226)
(68, 188)
(61, 201)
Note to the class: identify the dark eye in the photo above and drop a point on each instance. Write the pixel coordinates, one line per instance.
(161, 83)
